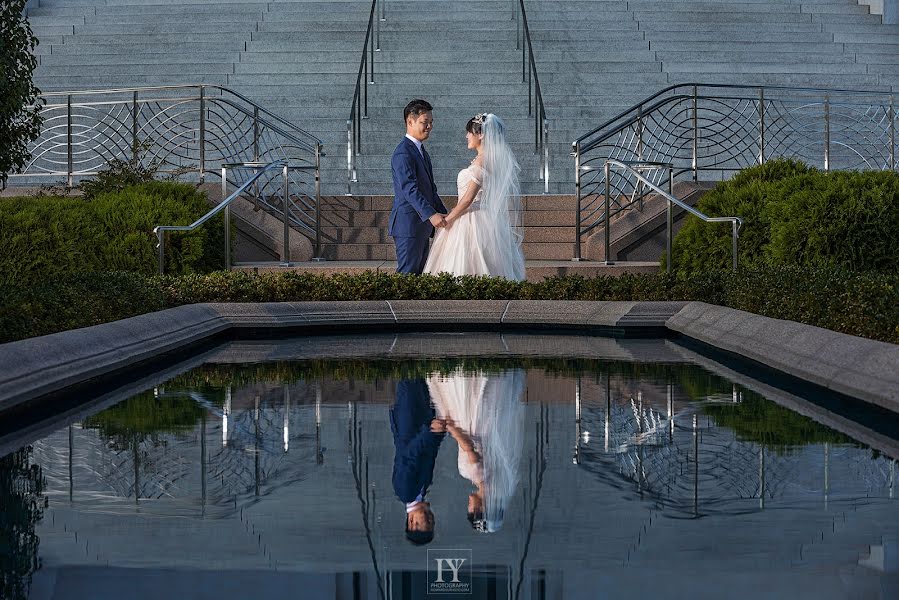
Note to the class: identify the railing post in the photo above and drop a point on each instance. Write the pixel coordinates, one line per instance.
(523, 74)
(669, 218)
(640, 132)
(517, 24)
(371, 54)
(202, 133)
(285, 258)
(545, 143)
(349, 156)
(761, 126)
(377, 24)
(134, 143)
(383, 10)
(160, 244)
(695, 149)
(318, 203)
(70, 179)
(607, 235)
(227, 220)
(826, 133)
(892, 136)
(736, 234)
(255, 134)
(577, 193)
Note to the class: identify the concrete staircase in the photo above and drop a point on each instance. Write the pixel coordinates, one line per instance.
(599, 57)
(299, 58)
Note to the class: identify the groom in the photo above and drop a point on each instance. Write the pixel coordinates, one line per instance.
(417, 209)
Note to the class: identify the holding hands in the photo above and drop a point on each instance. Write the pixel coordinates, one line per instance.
(438, 220)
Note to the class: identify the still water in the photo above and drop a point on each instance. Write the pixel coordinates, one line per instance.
(450, 466)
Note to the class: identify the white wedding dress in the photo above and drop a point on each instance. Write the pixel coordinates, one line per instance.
(472, 245)
(489, 409)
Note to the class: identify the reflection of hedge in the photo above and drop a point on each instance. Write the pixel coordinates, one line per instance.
(854, 303)
(21, 507)
(755, 419)
(48, 236)
(217, 376)
(771, 425)
(144, 415)
(796, 215)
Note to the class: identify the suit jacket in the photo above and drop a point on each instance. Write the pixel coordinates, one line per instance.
(415, 197)
(415, 444)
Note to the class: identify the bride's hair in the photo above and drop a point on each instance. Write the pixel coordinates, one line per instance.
(475, 124)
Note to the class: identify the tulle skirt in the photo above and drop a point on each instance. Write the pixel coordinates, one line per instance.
(471, 247)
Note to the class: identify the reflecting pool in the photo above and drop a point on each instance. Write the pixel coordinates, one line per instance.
(450, 465)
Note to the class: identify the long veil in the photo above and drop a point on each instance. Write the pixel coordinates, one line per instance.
(501, 199)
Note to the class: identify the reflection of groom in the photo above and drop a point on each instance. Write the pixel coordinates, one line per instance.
(416, 437)
(416, 206)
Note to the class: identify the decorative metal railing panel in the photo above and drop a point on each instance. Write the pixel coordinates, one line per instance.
(712, 131)
(187, 132)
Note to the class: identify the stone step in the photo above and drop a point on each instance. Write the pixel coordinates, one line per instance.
(387, 251)
(80, 61)
(653, 28)
(383, 203)
(738, 67)
(749, 56)
(379, 235)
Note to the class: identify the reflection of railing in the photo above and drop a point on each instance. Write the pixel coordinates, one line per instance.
(691, 467)
(637, 184)
(180, 130)
(719, 129)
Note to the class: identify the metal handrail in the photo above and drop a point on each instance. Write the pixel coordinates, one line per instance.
(359, 107)
(180, 129)
(289, 128)
(535, 97)
(224, 205)
(635, 168)
(723, 128)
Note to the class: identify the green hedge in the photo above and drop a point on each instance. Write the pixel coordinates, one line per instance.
(46, 236)
(864, 304)
(796, 215)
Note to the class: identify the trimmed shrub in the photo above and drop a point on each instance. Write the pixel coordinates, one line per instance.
(796, 215)
(864, 304)
(49, 236)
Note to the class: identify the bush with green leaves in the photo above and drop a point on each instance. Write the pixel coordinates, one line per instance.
(796, 215)
(46, 237)
(20, 118)
(864, 304)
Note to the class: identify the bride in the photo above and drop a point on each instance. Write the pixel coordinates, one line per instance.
(483, 232)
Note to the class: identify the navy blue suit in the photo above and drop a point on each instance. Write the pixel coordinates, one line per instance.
(415, 200)
(415, 444)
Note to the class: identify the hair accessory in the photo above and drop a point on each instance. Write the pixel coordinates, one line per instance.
(480, 118)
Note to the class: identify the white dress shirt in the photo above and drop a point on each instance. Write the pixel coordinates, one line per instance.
(417, 144)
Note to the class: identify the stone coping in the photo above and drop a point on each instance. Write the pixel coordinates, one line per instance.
(854, 366)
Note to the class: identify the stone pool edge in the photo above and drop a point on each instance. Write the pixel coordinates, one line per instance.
(854, 366)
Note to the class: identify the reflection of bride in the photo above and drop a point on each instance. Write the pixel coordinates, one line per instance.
(485, 416)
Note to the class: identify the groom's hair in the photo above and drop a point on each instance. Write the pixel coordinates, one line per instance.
(416, 108)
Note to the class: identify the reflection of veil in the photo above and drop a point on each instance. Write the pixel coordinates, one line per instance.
(501, 199)
(489, 409)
